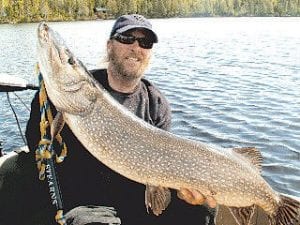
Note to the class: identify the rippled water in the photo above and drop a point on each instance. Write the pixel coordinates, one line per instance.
(230, 81)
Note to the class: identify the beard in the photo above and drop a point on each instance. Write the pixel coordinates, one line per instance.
(122, 68)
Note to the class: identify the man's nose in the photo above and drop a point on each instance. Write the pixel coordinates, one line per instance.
(136, 44)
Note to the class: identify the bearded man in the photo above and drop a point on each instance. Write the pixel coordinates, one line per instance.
(86, 183)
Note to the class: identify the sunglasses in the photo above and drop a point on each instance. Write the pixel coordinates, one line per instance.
(128, 39)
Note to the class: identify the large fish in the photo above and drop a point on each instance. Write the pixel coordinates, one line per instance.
(149, 155)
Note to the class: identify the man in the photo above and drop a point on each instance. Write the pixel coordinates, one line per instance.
(83, 179)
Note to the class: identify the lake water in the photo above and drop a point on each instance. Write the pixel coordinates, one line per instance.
(230, 81)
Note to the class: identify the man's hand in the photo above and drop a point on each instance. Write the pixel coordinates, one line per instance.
(90, 214)
(195, 197)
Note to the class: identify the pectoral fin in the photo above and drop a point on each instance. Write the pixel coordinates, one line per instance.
(57, 124)
(243, 215)
(157, 198)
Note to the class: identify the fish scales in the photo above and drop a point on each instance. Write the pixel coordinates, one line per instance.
(149, 155)
(144, 160)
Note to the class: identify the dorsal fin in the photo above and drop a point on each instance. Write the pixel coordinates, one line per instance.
(252, 154)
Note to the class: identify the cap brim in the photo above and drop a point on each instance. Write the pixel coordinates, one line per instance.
(130, 27)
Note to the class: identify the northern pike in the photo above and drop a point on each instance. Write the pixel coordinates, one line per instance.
(151, 156)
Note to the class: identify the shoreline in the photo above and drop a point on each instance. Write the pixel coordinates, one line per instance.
(112, 17)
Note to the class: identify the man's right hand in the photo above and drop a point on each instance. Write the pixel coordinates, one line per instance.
(83, 215)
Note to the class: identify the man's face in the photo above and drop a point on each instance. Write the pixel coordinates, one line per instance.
(129, 60)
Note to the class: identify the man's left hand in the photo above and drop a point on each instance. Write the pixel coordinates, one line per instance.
(194, 197)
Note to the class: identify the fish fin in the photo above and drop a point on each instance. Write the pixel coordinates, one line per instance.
(287, 213)
(242, 215)
(252, 154)
(57, 124)
(157, 198)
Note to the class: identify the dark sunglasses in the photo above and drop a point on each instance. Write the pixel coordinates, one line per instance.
(128, 39)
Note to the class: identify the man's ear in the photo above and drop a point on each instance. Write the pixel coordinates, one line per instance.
(109, 45)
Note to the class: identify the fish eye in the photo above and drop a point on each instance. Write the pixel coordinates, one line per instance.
(71, 61)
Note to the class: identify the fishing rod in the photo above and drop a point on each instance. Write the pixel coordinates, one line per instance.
(1, 149)
(9, 83)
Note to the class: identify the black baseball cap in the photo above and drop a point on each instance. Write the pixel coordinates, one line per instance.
(133, 21)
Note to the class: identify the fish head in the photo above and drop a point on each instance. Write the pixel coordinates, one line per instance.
(68, 83)
(53, 55)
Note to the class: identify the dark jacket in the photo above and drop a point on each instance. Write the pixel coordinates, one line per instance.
(24, 200)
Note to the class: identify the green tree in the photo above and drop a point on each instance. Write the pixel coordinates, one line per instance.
(35, 10)
(91, 6)
(132, 6)
(2, 11)
(161, 8)
(112, 7)
(83, 9)
(236, 7)
(183, 8)
(144, 7)
(122, 7)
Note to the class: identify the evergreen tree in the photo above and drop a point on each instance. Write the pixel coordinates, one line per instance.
(112, 6)
(36, 10)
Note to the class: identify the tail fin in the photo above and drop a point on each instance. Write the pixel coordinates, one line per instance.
(287, 213)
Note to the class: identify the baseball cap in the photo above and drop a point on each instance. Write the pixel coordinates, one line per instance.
(133, 21)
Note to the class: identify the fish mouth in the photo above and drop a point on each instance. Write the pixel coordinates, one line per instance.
(51, 41)
(43, 34)
(55, 60)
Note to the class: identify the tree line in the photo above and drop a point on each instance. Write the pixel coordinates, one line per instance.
(14, 11)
